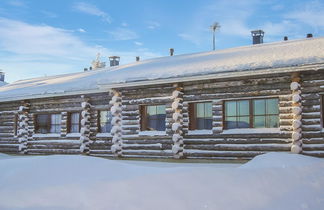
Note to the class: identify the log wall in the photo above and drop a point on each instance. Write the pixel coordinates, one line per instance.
(218, 144)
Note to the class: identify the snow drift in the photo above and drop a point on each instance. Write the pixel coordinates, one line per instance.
(270, 181)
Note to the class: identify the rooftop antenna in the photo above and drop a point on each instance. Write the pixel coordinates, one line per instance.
(214, 27)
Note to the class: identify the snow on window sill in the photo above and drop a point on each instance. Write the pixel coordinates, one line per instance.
(152, 133)
(251, 130)
(200, 132)
(73, 135)
(103, 135)
(47, 135)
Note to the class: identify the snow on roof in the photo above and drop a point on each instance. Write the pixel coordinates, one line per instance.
(2, 83)
(240, 60)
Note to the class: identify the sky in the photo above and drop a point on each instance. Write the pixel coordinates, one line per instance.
(43, 37)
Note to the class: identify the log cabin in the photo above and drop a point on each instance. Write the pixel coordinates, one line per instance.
(226, 104)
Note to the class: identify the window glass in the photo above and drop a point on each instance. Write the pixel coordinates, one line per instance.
(105, 121)
(42, 123)
(155, 118)
(202, 116)
(265, 113)
(55, 123)
(75, 122)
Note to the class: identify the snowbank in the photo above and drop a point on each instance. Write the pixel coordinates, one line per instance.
(81, 182)
(238, 60)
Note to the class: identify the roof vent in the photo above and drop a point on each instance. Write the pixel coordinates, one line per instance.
(286, 38)
(171, 51)
(114, 60)
(309, 36)
(137, 58)
(257, 36)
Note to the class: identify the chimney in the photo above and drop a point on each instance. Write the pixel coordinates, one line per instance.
(257, 36)
(309, 36)
(137, 58)
(85, 69)
(2, 76)
(114, 60)
(171, 51)
(286, 38)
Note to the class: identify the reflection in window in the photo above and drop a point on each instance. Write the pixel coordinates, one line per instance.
(74, 122)
(105, 118)
(153, 118)
(48, 123)
(200, 115)
(256, 113)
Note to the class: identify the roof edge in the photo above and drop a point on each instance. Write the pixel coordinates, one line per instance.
(108, 87)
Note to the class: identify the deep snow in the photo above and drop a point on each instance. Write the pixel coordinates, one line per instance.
(270, 181)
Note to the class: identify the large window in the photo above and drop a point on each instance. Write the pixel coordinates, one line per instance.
(104, 121)
(48, 123)
(74, 122)
(254, 113)
(200, 116)
(153, 118)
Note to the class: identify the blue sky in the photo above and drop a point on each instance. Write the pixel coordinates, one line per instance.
(39, 37)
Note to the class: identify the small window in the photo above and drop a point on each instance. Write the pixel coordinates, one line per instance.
(48, 123)
(153, 118)
(200, 116)
(74, 122)
(104, 121)
(256, 113)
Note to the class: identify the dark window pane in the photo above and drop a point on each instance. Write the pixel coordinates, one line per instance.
(155, 118)
(243, 122)
(230, 108)
(259, 121)
(208, 110)
(42, 122)
(272, 106)
(243, 108)
(230, 122)
(259, 107)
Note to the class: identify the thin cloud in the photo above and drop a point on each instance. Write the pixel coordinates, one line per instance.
(81, 30)
(49, 50)
(138, 43)
(123, 34)
(152, 25)
(16, 3)
(91, 9)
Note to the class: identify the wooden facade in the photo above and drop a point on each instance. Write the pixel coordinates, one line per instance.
(298, 131)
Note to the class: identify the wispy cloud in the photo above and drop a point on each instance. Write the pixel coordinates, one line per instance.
(49, 14)
(29, 50)
(91, 9)
(138, 43)
(152, 25)
(16, 3)
(81, 30)
(123, 34)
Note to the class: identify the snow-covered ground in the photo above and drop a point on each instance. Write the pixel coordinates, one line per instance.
(270, 181)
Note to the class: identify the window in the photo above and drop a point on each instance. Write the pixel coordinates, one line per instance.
(104, 121)
(254, 113)
(200, 116)
(48, 123)
(153, 118)
(74, 122)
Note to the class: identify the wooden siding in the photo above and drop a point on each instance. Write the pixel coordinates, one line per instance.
(216, 145)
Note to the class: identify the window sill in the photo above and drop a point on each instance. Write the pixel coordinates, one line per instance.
(152, 133)
(200, 132)
(251, 130)
(47, 135)
(73, 135)
(103, 135)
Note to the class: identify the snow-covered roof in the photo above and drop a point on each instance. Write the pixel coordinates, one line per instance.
(240, 61)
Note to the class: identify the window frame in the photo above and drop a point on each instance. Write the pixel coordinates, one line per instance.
(69, 122)
(144, 117)
(192, 112)
(99, 130)
(48, 123)
(251, 112)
